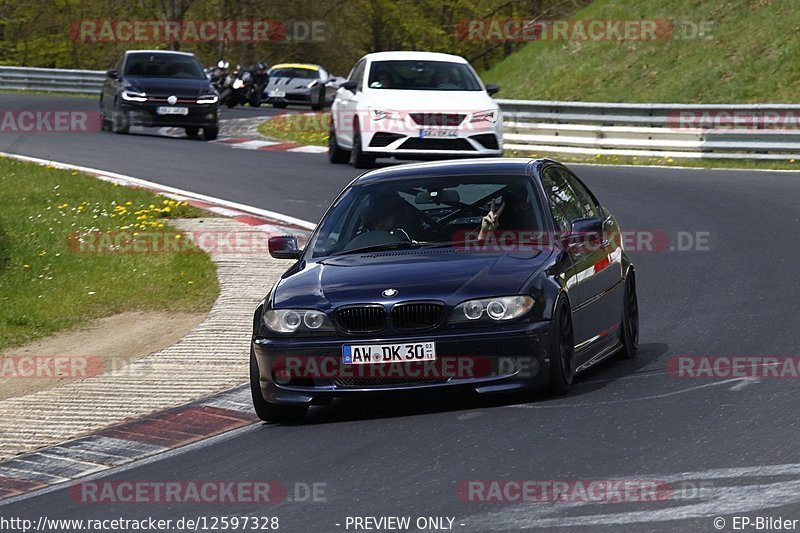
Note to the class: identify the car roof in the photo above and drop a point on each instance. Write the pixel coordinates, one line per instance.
(499, 165)
(175, 52)
(308, 66)
(414, 56)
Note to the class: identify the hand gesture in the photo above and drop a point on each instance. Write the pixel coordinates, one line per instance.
(492, 218)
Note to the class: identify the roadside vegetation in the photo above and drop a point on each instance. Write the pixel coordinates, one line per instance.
(716, 51)
(48, 285)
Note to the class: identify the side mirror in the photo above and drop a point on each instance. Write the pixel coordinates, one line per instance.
(586, 233)
(492, 88)
(283, 247)
(113, 74)
(350, 85)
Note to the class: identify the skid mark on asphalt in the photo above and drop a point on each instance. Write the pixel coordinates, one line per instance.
(695, 495)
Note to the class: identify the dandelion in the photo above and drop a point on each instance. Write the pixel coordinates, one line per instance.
(26, 266)
(190, 282)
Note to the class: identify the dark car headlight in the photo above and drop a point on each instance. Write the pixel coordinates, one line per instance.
(297, 321)
(500, 309)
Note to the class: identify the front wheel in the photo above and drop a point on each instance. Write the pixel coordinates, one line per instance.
(120, 122)
(270, 412)
(629, 333)
(210, 134)
(562, 356)
(192, 132)
(357, 157)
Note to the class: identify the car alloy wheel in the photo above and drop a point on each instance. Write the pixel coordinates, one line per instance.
(630, 319)
(562, 358)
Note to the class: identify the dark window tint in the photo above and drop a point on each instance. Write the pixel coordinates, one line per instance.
(563, 200)
(164, 66)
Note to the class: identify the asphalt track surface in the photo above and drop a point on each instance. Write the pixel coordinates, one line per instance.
(727, 447)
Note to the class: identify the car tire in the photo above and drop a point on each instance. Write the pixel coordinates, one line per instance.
(357, 157)
(279, 105)
(320, 103)
(562, 355)
(336, 154)
(120, 122)
(210, 134)
(192, 131)
(255, 101)
(629, 330)
(270, 412)
(105, 123)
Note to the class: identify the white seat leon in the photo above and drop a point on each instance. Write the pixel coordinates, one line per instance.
(413, 105)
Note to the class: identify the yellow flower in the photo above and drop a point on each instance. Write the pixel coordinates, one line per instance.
(128, 203)
(26, 266)
(190, 282)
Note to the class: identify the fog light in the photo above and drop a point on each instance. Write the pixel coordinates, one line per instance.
(282, 377)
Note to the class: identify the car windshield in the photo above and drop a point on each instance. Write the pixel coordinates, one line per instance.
(164, 66)
(422, 76)
(294, 72)
(431, 211)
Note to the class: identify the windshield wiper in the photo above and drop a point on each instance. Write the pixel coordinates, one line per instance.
(380, 247)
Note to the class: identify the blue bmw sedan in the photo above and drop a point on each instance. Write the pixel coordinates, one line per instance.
(486, 276)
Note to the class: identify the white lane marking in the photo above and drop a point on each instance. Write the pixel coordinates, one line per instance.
(129, 180)
(309, 149)
(252, 145)
(695, 500)
(624, 400)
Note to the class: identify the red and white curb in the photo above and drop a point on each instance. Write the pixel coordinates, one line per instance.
(127, 442)
(162, 430)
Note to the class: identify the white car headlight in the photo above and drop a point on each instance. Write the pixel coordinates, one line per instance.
(208, 99)
(492, 309)
(490, 115)
(297, 321)
(133, 96)
(238, 84)
(378, 114)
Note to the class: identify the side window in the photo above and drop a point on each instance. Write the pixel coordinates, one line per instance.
(357, 73)
(587, 203)
(563, 201)
(119, 63)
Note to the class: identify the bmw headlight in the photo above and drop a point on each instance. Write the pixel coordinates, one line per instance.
(485, 310)
(133, 96)
(490, 115)
(297, 321)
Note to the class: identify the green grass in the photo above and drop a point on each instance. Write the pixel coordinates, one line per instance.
(749, 55)
(47, 286)
(300, 128)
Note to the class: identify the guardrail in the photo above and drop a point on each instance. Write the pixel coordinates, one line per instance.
(653, 130)
(582, 128)
(51, 80)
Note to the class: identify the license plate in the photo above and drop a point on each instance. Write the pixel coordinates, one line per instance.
(277, 94)
(164, 110)
(437, 133)
(365, 354)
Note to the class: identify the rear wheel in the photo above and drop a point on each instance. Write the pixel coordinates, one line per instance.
(336, 154)
(629, 333)
(562, 357)
(270, 412)
(210, 134)
(192, 132)
(357, 157)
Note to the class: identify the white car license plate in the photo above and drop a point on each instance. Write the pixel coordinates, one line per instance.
(165, 110)
(435, 133)
(365, 354)
(277, 94)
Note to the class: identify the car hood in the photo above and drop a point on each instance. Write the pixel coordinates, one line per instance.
(288, 83)
(398, 100)
(447, 275)
(180, 87)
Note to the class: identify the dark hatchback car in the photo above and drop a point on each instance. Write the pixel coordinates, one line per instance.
(484, 275)
(159, 88)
